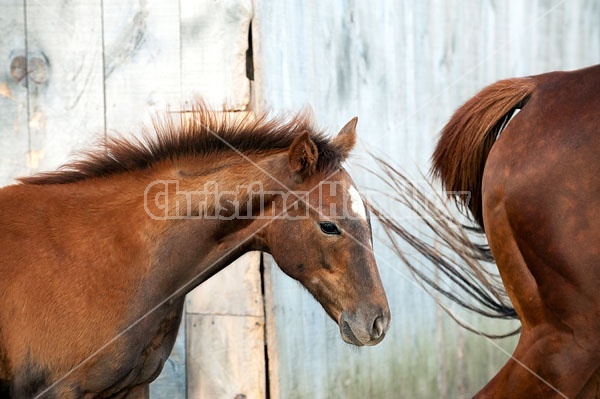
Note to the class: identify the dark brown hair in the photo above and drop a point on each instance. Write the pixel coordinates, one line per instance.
(198, 133)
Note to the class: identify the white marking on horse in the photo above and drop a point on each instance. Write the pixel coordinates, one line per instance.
(356, 203)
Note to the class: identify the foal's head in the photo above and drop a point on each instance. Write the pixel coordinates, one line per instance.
(322, 238)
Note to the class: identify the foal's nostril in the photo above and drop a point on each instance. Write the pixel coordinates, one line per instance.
(378, 327)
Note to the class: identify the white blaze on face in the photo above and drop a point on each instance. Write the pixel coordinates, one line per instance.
(356, 203)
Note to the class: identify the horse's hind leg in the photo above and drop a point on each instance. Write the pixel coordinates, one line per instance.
(549, 361)
(546, 365)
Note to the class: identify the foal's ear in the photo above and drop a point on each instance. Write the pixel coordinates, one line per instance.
(346, 138)
(303, 155)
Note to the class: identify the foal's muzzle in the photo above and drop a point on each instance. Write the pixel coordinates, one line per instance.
(361, 331)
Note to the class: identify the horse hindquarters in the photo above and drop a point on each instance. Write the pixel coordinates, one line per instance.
(547, 362)
(540, 196)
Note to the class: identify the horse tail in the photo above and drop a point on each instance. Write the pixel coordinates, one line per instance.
(447, 257)
(455, 259)
(466, 140)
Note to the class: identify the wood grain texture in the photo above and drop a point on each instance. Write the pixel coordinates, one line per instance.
(14, 132)
(403, 68)
(141, 79)
(66, 107)
(271, 350)
(225, 322)
(225, 357)
(234, 291)
(142, 67)
(214, 40)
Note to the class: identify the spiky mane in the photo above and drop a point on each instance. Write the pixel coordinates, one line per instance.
(197, 133)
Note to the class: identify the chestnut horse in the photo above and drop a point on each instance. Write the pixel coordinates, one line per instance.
(535, 191)
(97, 256)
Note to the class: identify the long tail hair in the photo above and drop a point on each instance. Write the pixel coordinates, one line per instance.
(454, 249)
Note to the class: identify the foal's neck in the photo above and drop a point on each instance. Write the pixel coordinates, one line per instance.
(204, 212)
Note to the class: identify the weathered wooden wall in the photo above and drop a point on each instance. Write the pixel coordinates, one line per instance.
(403, 67)
(74, 71)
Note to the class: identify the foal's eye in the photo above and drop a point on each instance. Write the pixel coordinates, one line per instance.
(329, 228)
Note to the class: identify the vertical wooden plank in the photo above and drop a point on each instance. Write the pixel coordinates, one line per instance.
(142, 78)
(222, 354)
(234, 291)
(403, 67)
(66, 107)
(14, 133)
(142, 66)
(225, 329)
(225, 336)
(273, 368)
(407, 63)
(214, 40)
